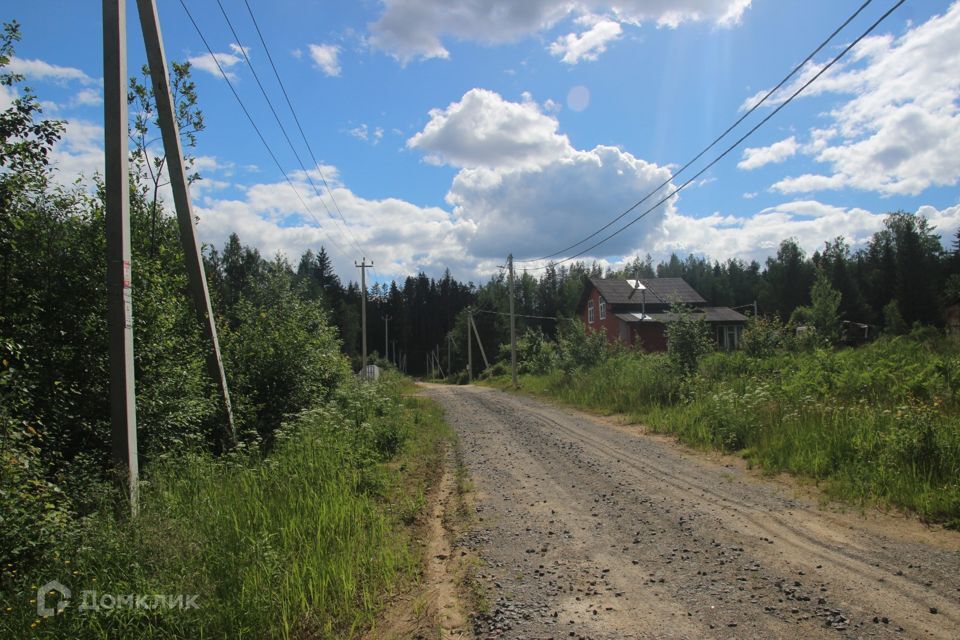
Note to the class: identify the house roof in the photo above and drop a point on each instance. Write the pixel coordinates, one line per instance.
(709, 314)
(658, 291)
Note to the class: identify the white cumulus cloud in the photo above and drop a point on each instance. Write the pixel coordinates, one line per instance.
(79, 152)
(756, 157)
(757, 236)
(899, 128)
(41, 70)
(208, 62)
(530, 212)
(326, 57)
(523, 185)
(401, 238)
(572, 48)
(484, 130)
(410, 29)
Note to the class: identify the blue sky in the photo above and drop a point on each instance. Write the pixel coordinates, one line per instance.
(453, 132)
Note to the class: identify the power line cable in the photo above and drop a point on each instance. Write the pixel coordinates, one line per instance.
(296, 119)
(735, 144)
(517, 315)
(246, 58)
(715, 141)
(257, 129)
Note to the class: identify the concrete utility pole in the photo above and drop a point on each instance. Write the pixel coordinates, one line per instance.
(476, 332)
(166, 114)
(513, 328)
(449, 348)
(386, 341)
(123, 408)
(469, 345)
(363, 266)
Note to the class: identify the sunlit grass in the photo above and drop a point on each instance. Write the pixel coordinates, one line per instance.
(306, 542)
(875, 425)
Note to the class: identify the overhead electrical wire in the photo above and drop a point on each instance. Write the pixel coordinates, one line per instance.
(296, 119)
(715, 141)
(677, 190)
(517, 315)
(253, 123)
(283, 130)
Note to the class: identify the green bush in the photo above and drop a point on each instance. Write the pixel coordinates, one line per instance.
(762, 337)
(36, 512)
(578, 347)
(280, 356)
(535, 353)
(688, 340)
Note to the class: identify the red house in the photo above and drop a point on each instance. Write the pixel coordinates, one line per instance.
(632, 310)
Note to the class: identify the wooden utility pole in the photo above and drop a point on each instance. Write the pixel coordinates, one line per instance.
(123, 408)
(166, 115)
(386, 341)
(513, 328)
(363, 266)
(469, 345)
(449, 348)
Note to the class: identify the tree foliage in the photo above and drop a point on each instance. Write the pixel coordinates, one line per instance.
(823, 314)
(688, 340)
(281, 353)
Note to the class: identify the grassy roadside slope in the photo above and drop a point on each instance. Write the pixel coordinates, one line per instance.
(875, 425)
(305, 543)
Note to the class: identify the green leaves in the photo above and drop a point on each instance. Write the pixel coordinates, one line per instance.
(688, 340)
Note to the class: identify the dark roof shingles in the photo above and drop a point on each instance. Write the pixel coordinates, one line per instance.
(659, 290)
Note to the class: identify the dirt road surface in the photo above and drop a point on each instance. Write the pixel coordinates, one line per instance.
(587, 530)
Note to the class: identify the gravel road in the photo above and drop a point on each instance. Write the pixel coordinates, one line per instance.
(589, 530)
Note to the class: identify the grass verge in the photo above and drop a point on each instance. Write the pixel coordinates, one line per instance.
(304, 543)
(878, 425)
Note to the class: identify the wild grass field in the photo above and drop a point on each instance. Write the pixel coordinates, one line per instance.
(306, 542)
(874, 425)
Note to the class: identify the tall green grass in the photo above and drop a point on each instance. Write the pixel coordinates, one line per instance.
(304, 543)
(876, 425)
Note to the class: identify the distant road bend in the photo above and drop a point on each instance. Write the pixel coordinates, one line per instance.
(589, 530)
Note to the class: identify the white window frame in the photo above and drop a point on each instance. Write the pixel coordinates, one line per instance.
(603, 309)
(590, 312)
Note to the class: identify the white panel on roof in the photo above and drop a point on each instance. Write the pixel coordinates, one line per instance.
(636, 284)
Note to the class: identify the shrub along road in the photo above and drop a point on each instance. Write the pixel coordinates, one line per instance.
(588, 530)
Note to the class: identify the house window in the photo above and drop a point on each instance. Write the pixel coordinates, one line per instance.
(728, 336)
(590, 312)
(603, 309)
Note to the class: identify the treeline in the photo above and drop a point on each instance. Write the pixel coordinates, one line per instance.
(901, 277)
